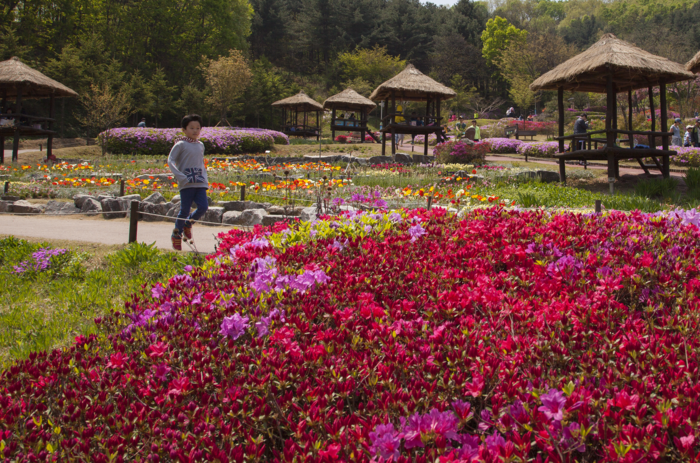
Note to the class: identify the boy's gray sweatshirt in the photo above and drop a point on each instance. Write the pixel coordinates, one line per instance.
(186, 162)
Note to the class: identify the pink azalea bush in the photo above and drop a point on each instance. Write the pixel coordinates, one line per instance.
(460, 152)
(399, 336)
(432, 139)
(503, 145)
(217, 140)
(539, 149)
(689, 157)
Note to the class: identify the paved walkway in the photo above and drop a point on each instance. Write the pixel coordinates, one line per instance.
(99, 230)
(623, 170)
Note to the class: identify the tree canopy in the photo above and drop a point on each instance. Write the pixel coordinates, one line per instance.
(153, 52)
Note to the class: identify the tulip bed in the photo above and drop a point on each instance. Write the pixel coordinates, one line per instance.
(405, 336)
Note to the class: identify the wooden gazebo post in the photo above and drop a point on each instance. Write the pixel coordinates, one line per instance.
(2, 138)
(363, 124)
(629, 116)
(664, 128)
(560, 108)
(393, 121)
(664, 114)
(652, 139)
(333, 123)
(49, 142)
(18, 111)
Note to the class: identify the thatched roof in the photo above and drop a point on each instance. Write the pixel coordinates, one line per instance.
(631, 66)
(14, 73)
(349, 100)
(694, 64)
(412, 85)
(300, 102)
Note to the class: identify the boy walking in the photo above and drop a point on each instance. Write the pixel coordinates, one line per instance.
(186, 162)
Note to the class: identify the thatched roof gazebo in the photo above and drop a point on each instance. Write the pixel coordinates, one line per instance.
(611, 66)
(19, 81)
(350, 101)
(291, 107)
(694, 64)
(412, 85)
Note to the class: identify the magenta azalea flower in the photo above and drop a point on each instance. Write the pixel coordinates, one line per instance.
(234, 326)
(553, 404)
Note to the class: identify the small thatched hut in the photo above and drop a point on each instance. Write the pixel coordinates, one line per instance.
(19, 81)
(291, 107)
(350, 101)
(411, 85)
(694, 64)
(611, 66)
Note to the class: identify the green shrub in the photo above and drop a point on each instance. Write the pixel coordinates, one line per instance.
(656, 187)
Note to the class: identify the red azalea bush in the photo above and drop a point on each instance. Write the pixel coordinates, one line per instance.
(416, 337)
(341, 138)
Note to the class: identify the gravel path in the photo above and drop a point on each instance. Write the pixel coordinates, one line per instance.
(98, 230)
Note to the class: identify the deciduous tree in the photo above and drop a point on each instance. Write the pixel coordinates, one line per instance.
(227, 78)
(103, 109)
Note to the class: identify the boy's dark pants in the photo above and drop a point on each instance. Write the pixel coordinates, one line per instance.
(187, 197)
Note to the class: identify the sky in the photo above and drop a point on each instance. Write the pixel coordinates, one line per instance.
(442, 2)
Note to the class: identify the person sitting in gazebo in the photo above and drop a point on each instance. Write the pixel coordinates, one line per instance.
(7, 120)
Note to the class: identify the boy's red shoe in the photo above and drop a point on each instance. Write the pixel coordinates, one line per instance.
(187, 231)
(176, 239)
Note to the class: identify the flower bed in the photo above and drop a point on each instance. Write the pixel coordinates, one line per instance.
(460, 152)
(432, 139)
(216, 140)
(503, 145)
(542, 150)
(688, 157)
(503, 336)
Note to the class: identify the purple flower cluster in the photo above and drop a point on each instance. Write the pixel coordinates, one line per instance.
(373, 198)
(41, 260)
(686, 156)
(266, 277)
(418, 430)
(541, 149)
(504, 145)
(217, 140)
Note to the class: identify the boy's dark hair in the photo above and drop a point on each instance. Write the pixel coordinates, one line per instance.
(584, 115)
(190, 118)
(474, 122)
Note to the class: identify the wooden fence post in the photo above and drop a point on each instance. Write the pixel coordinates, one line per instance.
(598, 206)
(134, 221)
(7, 187)
(242, 192)
(121, 188)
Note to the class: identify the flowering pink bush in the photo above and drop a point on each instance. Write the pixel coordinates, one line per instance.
(341, 138)
(432, 139)
(503, 145)
(412, 336)
(460, 152)
(539, 149)
(689, 157)
(217, 140)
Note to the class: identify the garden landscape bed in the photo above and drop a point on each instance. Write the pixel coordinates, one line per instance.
(401, 336)
(217, 140)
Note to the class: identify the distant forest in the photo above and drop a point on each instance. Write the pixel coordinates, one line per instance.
(154, 52)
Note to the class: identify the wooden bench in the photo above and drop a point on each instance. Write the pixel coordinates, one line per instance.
(525, 133)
